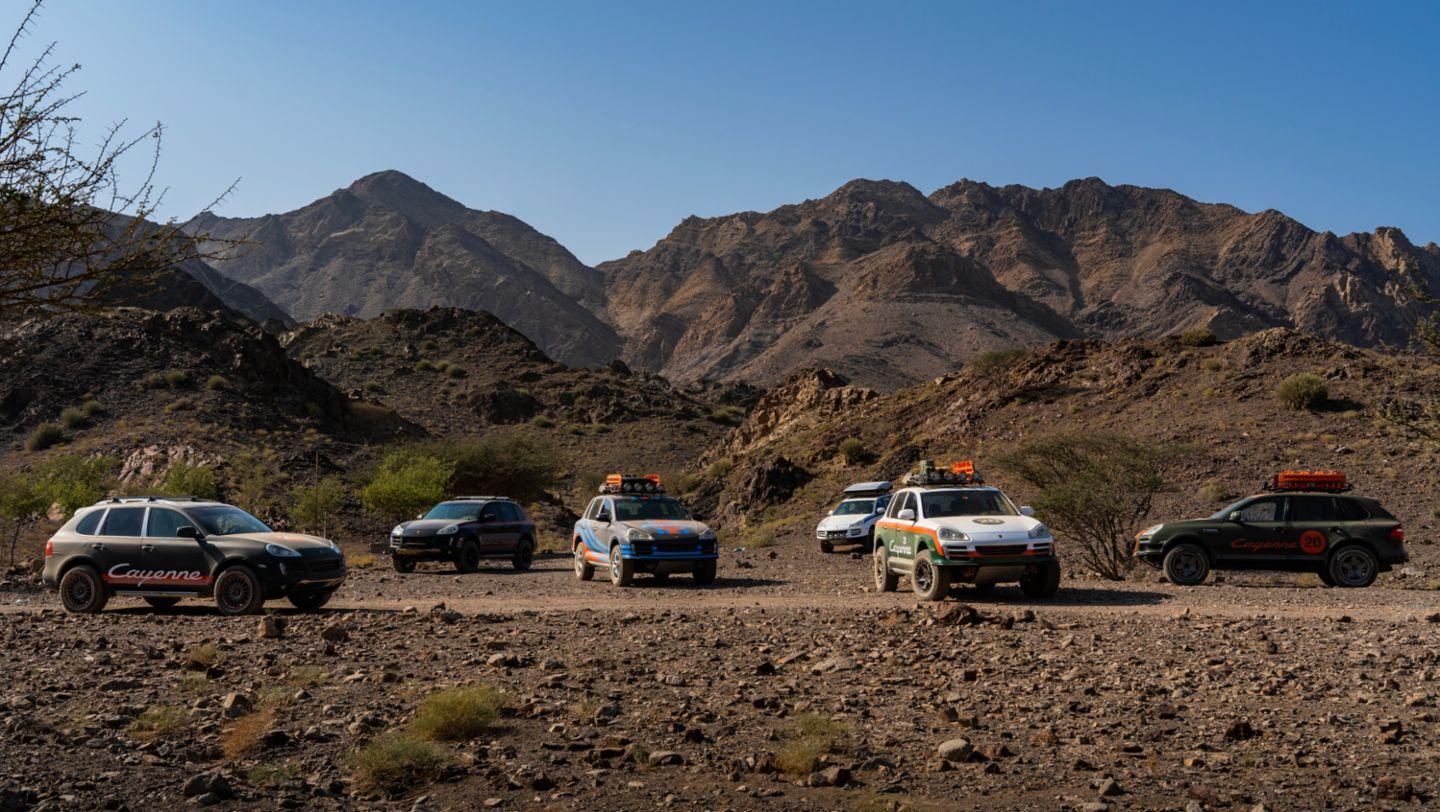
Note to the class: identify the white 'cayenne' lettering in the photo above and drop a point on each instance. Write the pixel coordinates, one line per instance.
(139, 577)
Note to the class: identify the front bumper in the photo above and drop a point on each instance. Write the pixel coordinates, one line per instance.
(1150, 550)
(424, 547)
(668, 550)
(848, 534)
(283, 577)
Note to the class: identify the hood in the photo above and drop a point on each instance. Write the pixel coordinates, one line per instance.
(299, 542)
(427, 527)
(666, 528)
(845, 522)
(991, 528)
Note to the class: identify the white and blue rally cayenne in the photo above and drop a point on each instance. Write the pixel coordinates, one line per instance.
(633, 527)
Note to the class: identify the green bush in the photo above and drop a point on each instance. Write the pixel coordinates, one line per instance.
(44, 436)
(405, 483)
(71, 481)
(1303, 390)
(453, 371)
(176, 377)
(396, 762)
(92, 408)
(216, 383)
(853, 451)
(542, 422)
(160, 722)
(190, 480)
(727, 415)
(1215, 491)
(458, 714)
(316, 504)
(518, 467)
(993, 367)
(424, 365)
(73, 418)
(1198, 338)
(811, 737)
(254, 482)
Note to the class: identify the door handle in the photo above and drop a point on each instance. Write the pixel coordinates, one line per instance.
(147, 548)
(97, 546)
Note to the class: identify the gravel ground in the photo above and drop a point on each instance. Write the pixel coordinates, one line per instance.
(1255, 691)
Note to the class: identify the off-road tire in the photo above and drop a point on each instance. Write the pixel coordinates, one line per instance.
(82, 592)
(1353, 567)
(467, 558)
(704, 573)
(622, 570)
(584, 570)
(885, 579)
(1325, 577)
(1042, 586)
(311, 599)
(1186, 565)
(160, 602)
(237, 591)
(930, 582)
(402, 564)
(524, 555)
(827, 547)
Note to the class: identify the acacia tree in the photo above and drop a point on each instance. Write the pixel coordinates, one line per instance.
(21, 501)
(1093, 490)
(70, 233)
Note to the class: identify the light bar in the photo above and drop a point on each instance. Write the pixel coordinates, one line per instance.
(1333, 481)
(633, 484)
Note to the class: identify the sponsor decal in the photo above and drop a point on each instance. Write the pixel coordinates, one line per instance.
(1256, 546)
(989, 521)
(119, 574)
(1312, 542)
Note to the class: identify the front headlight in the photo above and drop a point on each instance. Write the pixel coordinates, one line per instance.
(1039, 531)
(448, 530)
(334, 546)
(947, 534)
(708, 535)
(281, 552)
(1150, 531)
(636, 534)
(856, 531)
(398, 530)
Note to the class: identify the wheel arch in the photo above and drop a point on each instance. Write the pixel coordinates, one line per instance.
(80, 561)
(1191, 540)
(1350, 541)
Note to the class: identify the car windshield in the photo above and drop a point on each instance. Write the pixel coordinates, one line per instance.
(226, 521)
(455, 511)
(630, 510)
(937, 504)
(855, 507)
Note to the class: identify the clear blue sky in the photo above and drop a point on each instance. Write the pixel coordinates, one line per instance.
(604, 124)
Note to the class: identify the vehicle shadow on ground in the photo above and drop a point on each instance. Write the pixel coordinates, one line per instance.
(1067, 596)
(500, 566)
(207, 609)
(686, 583)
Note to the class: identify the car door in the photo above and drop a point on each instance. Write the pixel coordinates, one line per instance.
(510, 522)
(165, 551)
(117, 548)
(1314, 524)
(1258, 535)
(899, 543)
(490, 530)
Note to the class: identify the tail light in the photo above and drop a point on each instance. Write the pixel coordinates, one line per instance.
(49, 547)
(1397, 534)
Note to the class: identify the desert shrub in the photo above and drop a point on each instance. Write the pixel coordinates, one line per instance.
(316, 504)
(216, 383)
(458, 714)
(396, 762)
(180, 405)
(202, 655)
(727, 415)
(762, 537)
(309, 676)
(20, 502)
(993, 367)
(71, 481)
(424, 365)
(190, 480)
(271, 774)
(542, 422)
(254, 482)
(374, 386)
(1198, 338)
(1215, 491)
(154, 380)
(176, 377)
(442, 366)
(246, 734)
(44, 436)
(590, 482)
(453, 371)
(73, 418)
(405, 483)
(811, 737)
(853, 451)
(1093, 490)
(159, 722)
(720, 468)
(1303, 390)
(92, 408)
(519, 467)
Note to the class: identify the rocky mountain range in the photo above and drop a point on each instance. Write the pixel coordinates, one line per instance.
(878, 281)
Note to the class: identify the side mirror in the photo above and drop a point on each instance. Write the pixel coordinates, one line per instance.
(419, 515)
(906, 515)
(603, 518)
(1233, 516)
(831, 513)
(189, 531)
(1026, 510)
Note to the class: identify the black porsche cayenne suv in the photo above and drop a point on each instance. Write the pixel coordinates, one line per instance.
(466, 530)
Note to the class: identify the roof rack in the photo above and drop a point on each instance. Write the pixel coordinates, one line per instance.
(473, 498)
(154, 498)
(959, 473)
(868, 488)
(1330, 481)
(633, 484)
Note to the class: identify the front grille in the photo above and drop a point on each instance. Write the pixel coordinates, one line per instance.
(315, 566)
(1000, 549)
(654, 547)
(412, 543)
(835, 534)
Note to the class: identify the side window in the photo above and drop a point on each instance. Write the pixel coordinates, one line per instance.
(608, 506)
(593, 509)
(906, 501)
(894, 508)
(1311, 509)
(517, 514)
(90, 523)
(882, 503)
(123, 522)
(1263, 510)
(490, 513)
(509, 513)
(163, 523)
(1351, 511)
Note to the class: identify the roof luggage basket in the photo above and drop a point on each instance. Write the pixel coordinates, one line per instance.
(959, 473)
(1331, 481)
(648, 484)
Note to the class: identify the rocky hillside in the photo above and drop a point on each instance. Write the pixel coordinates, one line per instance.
(187, 385)
(781, 466)
(889, 286)
(388, 241)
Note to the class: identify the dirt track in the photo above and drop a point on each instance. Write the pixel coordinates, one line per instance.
(1224, 696)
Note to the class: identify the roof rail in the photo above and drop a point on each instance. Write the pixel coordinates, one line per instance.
(154, 498)
(460, 498)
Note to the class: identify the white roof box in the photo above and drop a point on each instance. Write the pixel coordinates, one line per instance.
(867, 488)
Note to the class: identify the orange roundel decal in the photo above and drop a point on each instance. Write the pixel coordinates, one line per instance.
(1312, 542)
